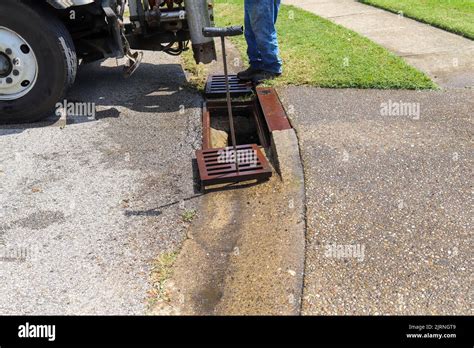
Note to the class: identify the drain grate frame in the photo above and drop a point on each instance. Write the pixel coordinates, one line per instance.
(272, 108)
(215, 169)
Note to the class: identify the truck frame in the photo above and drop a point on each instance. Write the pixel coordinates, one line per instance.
(42, 42)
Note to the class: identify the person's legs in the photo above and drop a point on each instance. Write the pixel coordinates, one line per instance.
(263, 15)
(253, 53)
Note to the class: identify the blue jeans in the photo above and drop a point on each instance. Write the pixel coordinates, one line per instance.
(261, 35)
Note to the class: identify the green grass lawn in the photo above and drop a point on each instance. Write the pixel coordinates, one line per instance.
(456, 16)
(318, 52)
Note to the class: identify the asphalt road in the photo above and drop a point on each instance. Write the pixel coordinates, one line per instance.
(94, 202)
(389, 200)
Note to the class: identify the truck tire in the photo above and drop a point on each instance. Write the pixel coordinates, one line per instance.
(38, 61)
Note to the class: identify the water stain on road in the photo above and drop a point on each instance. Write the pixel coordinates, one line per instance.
(41, 219)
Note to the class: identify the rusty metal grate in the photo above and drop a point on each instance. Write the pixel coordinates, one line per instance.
(215, 86)
(217, 166)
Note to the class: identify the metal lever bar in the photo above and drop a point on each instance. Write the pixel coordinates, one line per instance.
(222, 33)
(235, 30)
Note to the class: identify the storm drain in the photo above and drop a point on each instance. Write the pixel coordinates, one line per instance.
(250, 124)
(257, 113)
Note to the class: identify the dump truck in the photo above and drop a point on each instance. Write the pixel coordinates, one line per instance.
(42, 43)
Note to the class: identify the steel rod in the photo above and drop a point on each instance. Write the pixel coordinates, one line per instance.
(229, 106)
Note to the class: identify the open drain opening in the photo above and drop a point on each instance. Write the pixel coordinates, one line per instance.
(249, 123)
(257, 112)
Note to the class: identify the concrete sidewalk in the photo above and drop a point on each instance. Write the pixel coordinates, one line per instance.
(388, 193)
(447, 58)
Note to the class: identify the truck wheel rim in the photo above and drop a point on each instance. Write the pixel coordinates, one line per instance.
(18, 65)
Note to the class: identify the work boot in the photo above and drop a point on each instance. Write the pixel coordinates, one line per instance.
(263, 76)
(248, 74)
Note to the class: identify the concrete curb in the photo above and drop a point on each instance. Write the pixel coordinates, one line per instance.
(287, 159)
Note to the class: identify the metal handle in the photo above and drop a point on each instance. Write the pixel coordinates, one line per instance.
(235, 30)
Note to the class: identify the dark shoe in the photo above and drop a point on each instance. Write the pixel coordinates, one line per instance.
(263, 76)
(248, 74)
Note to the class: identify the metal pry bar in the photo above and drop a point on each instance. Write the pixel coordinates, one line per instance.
(222, 33)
